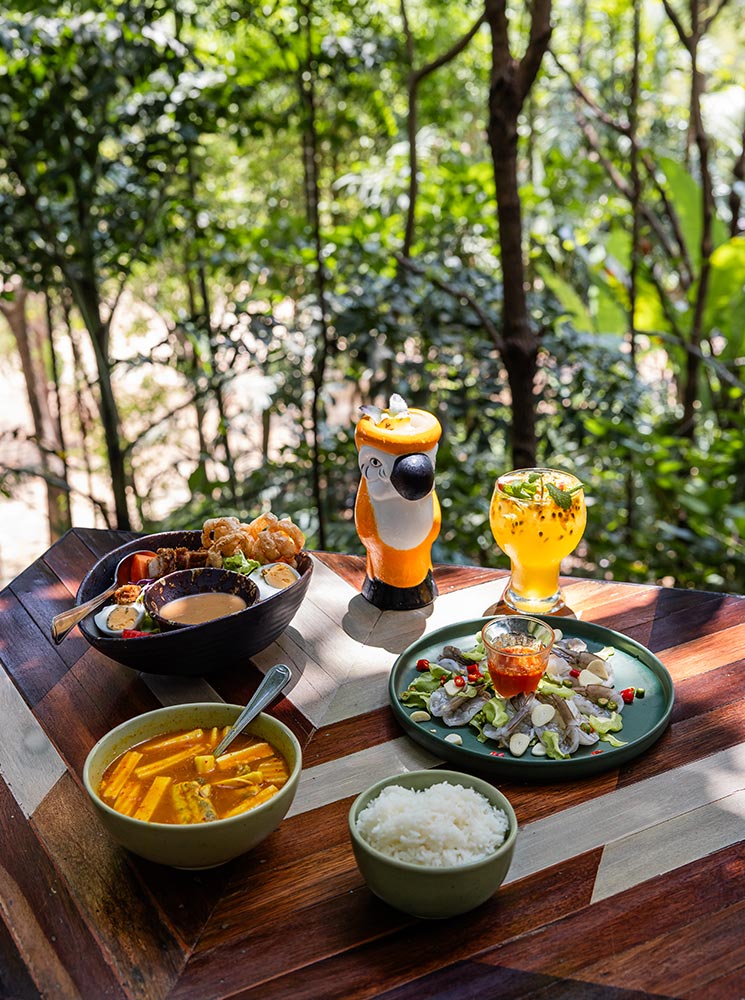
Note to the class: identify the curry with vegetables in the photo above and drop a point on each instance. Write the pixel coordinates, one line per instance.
(176, 778)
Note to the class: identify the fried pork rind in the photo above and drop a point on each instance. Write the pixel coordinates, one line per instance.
(216, 528)
(127, 594)
(266, 539)
(273, 540)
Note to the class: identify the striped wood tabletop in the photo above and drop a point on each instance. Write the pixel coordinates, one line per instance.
(627, 884)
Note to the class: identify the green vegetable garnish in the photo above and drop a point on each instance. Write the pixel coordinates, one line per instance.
(535, 485)
(494, 713)
(239, 564)
(550, 740)
(562, 498)
(613, 724)
(546, 686)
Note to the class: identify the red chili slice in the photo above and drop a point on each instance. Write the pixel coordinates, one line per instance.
(422, 665)
(574, 672)
(628, 695)
(132, 633)
(459, 680)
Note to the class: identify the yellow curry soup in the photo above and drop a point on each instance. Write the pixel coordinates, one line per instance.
(175, 778)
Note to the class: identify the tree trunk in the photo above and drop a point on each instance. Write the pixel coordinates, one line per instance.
(307, 91)
(511, 81)
(85, 296)
(223, 422)
(45, 428)
(697, 133)
(83, 410)
(415, 77)
(520, 349)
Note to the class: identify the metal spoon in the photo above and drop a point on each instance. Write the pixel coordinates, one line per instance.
(65, 621)
(273, 682)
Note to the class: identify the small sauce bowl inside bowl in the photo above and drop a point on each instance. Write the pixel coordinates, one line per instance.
(195, 596)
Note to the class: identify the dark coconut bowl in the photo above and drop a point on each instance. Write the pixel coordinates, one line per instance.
(192, 650)
(187, 582)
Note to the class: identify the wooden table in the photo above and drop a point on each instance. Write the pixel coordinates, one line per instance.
(628, 884)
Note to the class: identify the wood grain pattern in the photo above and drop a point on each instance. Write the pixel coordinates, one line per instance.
(626, 885)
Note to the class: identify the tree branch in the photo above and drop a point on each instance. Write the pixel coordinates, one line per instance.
(672, 215)
(683, 35)
(459, 294)
(708, 21)
(450, 54)
(623, 187)
(538, 42)
(623, 128)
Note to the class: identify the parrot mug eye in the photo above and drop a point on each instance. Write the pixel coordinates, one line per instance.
(375, 463)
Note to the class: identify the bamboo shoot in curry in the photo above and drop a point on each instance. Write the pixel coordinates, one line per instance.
(175, 777)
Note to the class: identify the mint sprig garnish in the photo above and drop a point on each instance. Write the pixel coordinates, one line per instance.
(535, 485)
(562, 498)
(521, 491)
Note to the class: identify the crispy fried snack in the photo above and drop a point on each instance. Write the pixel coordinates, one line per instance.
(266, 539)
(127, 594)
(216, 528)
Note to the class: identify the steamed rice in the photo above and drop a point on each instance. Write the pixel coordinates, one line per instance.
(439, 826)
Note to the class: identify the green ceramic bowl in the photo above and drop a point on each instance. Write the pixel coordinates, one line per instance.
(424, 891)
(199, 845)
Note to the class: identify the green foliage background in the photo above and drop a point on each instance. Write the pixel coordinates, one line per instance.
(162, 149)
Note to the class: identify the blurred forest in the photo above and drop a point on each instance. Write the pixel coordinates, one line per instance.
(224, 225)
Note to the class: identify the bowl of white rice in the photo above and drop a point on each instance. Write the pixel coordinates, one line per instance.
(433, 843)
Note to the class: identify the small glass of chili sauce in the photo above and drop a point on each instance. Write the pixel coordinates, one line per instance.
(517, 649)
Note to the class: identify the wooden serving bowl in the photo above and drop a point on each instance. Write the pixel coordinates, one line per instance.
(193, 650)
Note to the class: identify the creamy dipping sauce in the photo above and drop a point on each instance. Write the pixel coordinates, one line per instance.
(198, 608)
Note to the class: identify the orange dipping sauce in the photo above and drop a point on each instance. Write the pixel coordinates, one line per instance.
(516, 669)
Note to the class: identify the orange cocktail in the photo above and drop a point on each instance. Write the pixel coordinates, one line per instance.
(537, 517)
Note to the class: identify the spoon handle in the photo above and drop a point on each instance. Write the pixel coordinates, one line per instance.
(273, 682)
(67, 620)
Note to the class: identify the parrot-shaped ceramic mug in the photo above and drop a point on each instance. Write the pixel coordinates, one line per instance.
(397, 513)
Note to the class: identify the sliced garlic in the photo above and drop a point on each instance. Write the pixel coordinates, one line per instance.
(558, 635)
(454, 738)
(420, 716)
(539, 750)
(588, 677)
(542, 714)
(598, 667)
(519, 744)
(451, 687)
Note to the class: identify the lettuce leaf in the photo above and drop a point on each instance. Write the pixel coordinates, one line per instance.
(606, 727)
(610, 738)
(493, 713)
(417, 693)
(239, 564)
(550, 740)
(476, 652)
(545, 686)
(613, 724)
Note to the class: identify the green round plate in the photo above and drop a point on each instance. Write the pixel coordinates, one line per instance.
(634, 666)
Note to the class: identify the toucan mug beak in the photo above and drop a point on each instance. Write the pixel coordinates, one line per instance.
(413, 476)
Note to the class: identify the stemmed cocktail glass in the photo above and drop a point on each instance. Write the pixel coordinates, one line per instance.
(537, 517)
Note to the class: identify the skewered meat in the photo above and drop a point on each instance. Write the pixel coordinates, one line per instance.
(169, 560)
